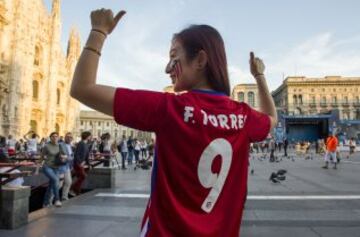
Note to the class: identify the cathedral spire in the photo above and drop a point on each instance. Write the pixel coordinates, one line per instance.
(55, 11)
(73, 49)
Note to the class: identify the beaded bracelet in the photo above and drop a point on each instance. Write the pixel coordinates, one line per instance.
(100, 31)
(93, 50)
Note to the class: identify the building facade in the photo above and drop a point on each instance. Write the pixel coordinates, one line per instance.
(98, 123)
(35, 74)
(313, 96)
(313, 108)
(247, 93)
(169, 89)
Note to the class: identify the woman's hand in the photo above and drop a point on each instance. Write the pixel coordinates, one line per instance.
(104, 20)
(266, 102)
(63, 158)
(257, 66)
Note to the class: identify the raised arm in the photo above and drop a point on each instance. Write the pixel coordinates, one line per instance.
(25, 135)
(84, 87)
(267, 105)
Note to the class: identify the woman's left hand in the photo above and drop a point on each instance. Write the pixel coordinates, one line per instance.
(104, 20)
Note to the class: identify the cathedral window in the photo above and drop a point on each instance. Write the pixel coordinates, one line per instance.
(35, 89)
(37, 58)
(58, 96)
(57, 128)
(33, 125)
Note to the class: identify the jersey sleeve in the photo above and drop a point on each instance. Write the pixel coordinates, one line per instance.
(139, 109)
(257, 125)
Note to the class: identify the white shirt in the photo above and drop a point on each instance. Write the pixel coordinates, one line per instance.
(143, 145)
(16, 182)
(69, 150)
(124, 147)
(32, 144)
(137, 146)
(107, 145)
(11, 143)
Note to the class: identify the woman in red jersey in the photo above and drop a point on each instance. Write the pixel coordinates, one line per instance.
(199, 177)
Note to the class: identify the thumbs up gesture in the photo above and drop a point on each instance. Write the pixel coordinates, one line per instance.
(257, 66)
(103, 20)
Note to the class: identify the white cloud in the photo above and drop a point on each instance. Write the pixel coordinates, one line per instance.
(141, 66)
(238, 75)
(318, 56)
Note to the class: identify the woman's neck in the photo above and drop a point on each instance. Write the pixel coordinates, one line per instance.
(202, 85)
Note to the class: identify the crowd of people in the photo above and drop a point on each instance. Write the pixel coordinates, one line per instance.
(328, 147)
(61, 159)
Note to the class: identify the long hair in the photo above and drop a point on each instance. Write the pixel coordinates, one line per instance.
(207, 38)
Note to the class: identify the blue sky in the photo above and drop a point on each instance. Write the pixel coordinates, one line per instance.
(306, 38)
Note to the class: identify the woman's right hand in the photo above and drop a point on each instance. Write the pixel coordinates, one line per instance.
(104, 20)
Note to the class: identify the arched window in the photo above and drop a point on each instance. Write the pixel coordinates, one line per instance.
(357, 114)
(298, 111)
(35, 89)
(241, 96)
(33, 125)
(346, 100)
(57, 128)
(251, 98)
(58, 96)
(300, 99)
(323, 100)
(37, 57)
(295, 99)
(334, 100)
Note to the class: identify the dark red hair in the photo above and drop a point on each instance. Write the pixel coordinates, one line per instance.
(207, 38)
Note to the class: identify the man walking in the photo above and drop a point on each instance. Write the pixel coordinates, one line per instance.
(330, 154)
(81, 160)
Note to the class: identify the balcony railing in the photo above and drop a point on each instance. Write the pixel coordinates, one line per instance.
(323, 104)
(312, 104)
(356, 104)
(345, 104)
(334, 104)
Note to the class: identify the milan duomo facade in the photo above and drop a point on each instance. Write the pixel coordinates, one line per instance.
(35, 73)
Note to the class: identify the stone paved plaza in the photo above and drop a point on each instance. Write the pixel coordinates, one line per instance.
(311, 202)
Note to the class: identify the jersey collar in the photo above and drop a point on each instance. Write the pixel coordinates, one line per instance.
(210, 92)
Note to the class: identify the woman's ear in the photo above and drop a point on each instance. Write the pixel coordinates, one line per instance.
(202, 60)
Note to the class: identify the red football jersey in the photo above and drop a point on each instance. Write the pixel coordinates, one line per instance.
(199, 178)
